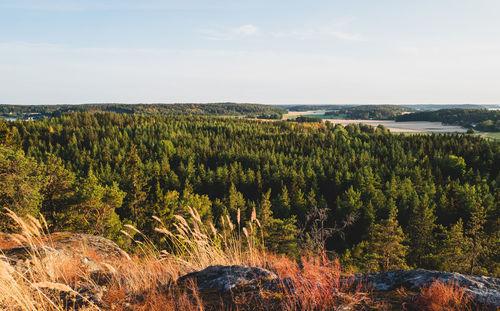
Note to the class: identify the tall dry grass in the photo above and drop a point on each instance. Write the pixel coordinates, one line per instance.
(440, 296)
(146, 281)
(22, 289)
(197, 245)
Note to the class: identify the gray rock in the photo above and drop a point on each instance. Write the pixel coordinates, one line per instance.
(80, 243)
(67, 247)
(482, 289)
(66, 242)
(224, 279)
(23, 254)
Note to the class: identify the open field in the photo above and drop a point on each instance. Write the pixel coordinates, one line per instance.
(393, 126)
(493, 136)
(408, 127)
(309, 113)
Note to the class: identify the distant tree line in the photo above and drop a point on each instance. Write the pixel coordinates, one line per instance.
(367, 112)
(376, 200)
(305, 119)
(215, 109)
(312, 107)
(479, 119)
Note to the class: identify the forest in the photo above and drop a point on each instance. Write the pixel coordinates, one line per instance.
(219, 109)
(367, 112)
(375, 200)
(479, 119)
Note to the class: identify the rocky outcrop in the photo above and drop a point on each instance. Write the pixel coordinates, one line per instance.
(79, 242)
(223, 279)
(482, 289)
(64, 247)
(69, 243)
(234, 287)
(78, 250)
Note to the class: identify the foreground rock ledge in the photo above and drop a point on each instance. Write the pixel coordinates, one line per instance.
(217, 283)
(222, 280)
(482, 289)
(67, 242)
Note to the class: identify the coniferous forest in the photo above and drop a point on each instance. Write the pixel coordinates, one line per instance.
(376, 200)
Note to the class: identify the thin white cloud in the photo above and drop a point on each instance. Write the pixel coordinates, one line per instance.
(347, 36)
(246, 30)
(229, 34)
(320, 33)
(301, 34)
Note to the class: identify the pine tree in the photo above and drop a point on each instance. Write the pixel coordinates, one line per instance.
(385, 247)
(57, 191)
(201, 203)
(420, 232)
(264, 212)
(453, 253)
(280, 235)
(134, 183)
(283, 204)
(299, 205)
(478, 240)
(94, 210)
(235, 202)
(4, 132)
(20, 185)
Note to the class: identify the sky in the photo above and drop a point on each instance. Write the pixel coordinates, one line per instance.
(259, 51)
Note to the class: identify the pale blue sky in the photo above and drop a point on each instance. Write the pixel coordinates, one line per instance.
(272, 52)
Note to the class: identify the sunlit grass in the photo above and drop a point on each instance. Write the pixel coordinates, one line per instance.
(146, 280)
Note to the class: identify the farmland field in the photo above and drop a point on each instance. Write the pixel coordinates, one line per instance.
(409, 127)
(492, 136)
(310, 113)
(393, 126)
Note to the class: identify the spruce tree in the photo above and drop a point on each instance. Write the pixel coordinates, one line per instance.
(264, 212)
(421, 230)
(478, 239)
(283, 204)
(386, 250)
(235, 202)
(453, 253)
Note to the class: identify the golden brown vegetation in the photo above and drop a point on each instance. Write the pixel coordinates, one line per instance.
(443, 296)
(440, 296)
(146, 281)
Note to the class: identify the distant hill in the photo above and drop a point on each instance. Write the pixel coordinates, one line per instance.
(463, 106)
(377, 112)
(480, 119)
(312, 107)
(416, 107)
(219, 109)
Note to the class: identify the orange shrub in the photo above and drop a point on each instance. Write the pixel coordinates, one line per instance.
(317, 286)
(443, 297)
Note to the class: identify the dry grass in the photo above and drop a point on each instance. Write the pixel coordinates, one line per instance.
(7, 241)
(317, 286)
(440, 296)
(197, 245)
(146, 281)
(23, 290)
